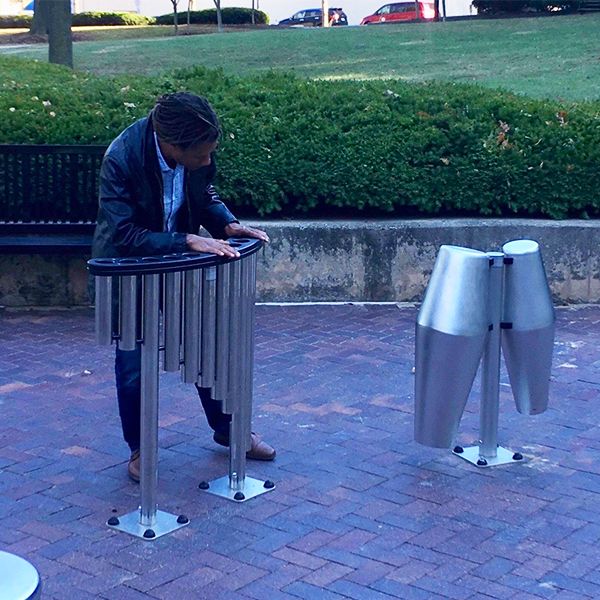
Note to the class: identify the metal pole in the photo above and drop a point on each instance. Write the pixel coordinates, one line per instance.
(490, 378)
(235, 298)
(237, 445)
(490, 297)
(147, 522)
(149, 402)
(245, 410)
(249, 299)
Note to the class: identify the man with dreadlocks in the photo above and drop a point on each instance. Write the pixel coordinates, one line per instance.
(156, 190)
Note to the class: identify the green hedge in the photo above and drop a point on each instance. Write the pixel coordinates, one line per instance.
(110, 18)
(494, 7)
(83, 19)
(230, 16)
(15, 21)
(296, 147)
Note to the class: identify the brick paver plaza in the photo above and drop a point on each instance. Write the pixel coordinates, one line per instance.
(360, 510)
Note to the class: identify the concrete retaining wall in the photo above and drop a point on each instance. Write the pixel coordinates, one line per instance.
(392, 260)
(350, 260)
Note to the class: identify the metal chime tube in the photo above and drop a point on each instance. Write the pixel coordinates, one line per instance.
(490, 374)
(172, 321)
(451, 334)
(209, 315)
(244, 357)
(222, 333)
(237, 444)
(191, 332)
(149, 401)
(249, 279)
(103, 312)
(128, 313)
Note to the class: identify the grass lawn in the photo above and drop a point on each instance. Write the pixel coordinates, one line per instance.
(556, 57)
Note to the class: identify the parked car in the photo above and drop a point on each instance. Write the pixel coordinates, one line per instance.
(401, 11)
(312, 17)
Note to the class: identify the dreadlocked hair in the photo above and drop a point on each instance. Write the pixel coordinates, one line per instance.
(185, 120)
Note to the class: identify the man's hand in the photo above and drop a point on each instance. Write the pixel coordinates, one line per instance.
(238, 230)
(210, 245)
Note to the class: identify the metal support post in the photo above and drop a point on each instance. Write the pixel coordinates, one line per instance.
(237, 486)
(488, 453)
(148, 522)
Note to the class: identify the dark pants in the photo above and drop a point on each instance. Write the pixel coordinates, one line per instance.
(128, 377)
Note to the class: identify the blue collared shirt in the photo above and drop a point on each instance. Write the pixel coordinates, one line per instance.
(172, 189)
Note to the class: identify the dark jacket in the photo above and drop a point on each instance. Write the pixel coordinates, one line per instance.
(131, 213)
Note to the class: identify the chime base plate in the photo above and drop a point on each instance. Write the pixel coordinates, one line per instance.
(163, 523)
(249, 489)
(503, 457)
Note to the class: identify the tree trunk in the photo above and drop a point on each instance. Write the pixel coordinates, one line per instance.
(39, 23)
(219, 17)
(253, 19)
(175, 24)
(324, 13)
(60, 42)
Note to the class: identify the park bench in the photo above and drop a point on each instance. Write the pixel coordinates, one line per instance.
(48, 198)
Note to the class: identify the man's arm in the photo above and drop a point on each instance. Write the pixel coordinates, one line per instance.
(118, 211)
(218, 219)
(214, 214)
(232, 228)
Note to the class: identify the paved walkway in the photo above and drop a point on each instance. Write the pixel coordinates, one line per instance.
(360, 511)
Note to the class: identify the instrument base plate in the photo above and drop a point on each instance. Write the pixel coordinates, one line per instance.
(503, 457)
(164, 523)
(250, 488)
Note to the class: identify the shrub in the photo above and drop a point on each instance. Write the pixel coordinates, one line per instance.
(15, 21)
(321, 148)
(230, 16)
(495, 7)
(110, 18)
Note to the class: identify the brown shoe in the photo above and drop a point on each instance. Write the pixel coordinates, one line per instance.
(259, 450)
(133, 468)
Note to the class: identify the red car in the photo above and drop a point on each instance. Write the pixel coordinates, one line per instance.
(401, 11)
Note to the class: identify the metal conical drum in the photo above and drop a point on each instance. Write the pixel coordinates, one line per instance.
(528, 334)
(451, 331)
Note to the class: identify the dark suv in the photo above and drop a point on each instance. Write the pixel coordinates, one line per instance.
(312, 17)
